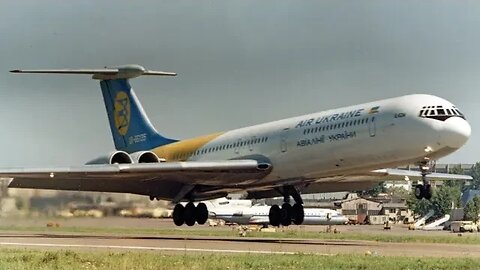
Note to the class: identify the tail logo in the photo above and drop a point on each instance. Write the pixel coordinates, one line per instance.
(122, 112)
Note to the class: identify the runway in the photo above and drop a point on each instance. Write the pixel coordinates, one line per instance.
(175, 244)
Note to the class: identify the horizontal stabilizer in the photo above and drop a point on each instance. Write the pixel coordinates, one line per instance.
(120, 72)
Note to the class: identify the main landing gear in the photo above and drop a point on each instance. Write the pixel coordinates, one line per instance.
(288, 213)
(189, 214)
(424, 190)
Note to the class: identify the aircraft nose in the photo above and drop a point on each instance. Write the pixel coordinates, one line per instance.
(456, 132)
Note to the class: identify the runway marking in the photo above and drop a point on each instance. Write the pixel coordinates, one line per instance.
(153, 248)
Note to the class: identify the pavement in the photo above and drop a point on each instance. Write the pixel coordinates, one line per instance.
(212, 244)
(231, 245)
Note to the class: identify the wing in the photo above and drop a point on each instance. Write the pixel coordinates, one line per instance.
(157, 179)
(357, 182)
(398, 174)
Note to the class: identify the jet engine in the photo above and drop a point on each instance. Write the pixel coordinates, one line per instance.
(145, 157)
(116, 157)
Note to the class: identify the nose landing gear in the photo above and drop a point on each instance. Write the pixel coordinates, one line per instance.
(424, 190)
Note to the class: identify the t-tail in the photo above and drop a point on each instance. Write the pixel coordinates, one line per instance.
(131, 129)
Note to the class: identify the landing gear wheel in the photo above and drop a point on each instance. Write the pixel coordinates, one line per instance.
(201, 212)
(285, 213)
(419, 191)
(427, 191)
(274, 215)
(189, 214)
(298, 214)
(178, 215)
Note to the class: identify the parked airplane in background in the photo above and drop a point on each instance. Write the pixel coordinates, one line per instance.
(342, 149)
(242, 212)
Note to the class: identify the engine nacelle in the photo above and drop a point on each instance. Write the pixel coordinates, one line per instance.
(116, 157)
(145, 157)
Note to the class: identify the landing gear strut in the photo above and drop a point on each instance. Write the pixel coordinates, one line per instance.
(424, 190)
(189, 214)
(288, 213)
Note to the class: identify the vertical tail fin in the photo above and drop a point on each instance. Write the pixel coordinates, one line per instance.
(131, 129)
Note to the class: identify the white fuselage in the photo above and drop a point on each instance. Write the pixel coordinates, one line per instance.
(242, 214)
(348, 140)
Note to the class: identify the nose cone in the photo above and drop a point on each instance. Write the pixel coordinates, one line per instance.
(455, 132)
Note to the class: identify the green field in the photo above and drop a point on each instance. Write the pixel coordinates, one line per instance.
(33, 259)
(448, 238)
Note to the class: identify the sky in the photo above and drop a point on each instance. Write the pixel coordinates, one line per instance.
(239, 63)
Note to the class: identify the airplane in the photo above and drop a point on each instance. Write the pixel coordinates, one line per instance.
(345, 149)
(242, 212)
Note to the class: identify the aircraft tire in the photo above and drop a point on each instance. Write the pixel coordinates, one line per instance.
(427, 191)
(201, 212)
(285, 213)
(274, 215)
(189, 214)
(178, 215)
(419, 191)
(298, 214)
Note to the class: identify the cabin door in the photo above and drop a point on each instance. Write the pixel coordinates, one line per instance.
(284, 140)
(372, 127)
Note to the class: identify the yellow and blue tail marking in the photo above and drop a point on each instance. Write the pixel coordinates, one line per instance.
(131, 129)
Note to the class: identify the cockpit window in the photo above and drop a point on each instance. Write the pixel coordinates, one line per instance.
(439, 113)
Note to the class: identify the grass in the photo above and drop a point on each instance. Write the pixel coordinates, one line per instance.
(288, 234)
(35, 259)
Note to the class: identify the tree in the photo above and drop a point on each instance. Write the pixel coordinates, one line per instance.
(441, 201)
(398, 192)
(457, 169)
(379, 188)
(476, 200)
(472, 209)
(469, 211)
(476, 176)
(420, 207)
